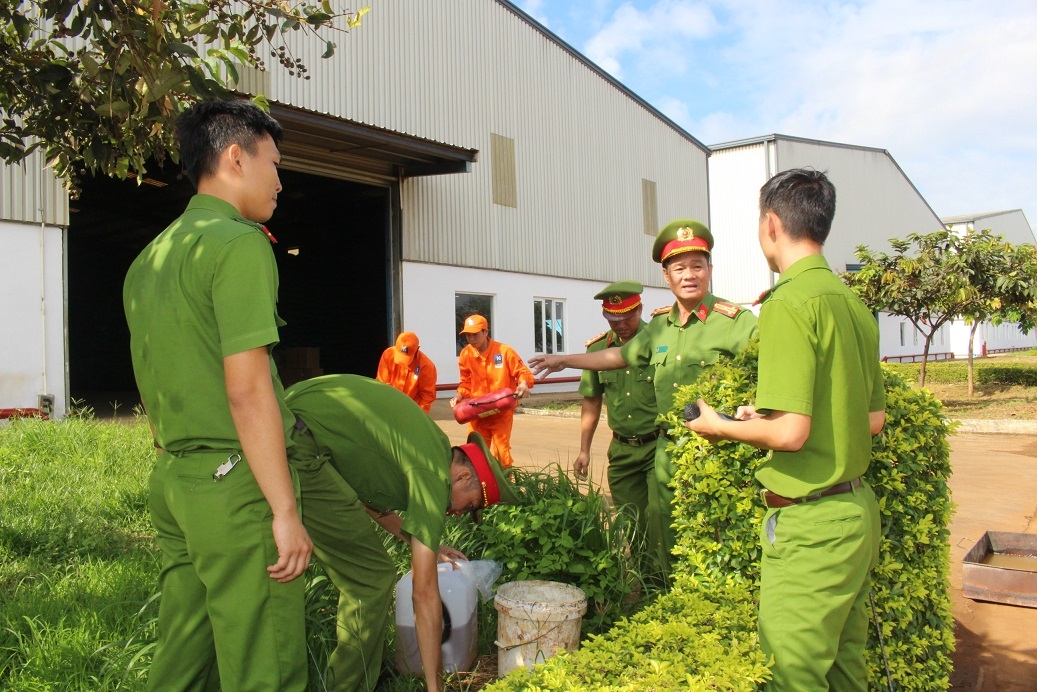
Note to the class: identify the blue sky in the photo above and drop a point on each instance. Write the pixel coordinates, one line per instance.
(948, 87)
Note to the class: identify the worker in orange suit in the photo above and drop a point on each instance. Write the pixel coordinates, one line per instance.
(406, 368)
(488, 366)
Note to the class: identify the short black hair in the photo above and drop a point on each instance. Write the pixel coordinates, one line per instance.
(209, 127)
(804, 200)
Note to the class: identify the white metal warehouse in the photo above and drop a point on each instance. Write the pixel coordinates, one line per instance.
(876, 201)
(450, 155)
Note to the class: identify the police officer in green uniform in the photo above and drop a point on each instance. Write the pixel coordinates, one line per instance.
(200, 302)
(629, 397)
(396, 458)
(819, 401)
(680, 342)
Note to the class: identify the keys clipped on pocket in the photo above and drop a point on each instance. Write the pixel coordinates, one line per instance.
(226, 467)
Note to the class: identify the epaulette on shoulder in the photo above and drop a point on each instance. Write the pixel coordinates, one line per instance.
(664, 310)
(726, 309)
(595, 339)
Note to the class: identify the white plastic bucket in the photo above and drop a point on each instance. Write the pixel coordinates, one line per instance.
(535, 620)
(460, 601)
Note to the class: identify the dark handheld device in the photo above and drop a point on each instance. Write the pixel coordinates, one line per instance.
(691, 412)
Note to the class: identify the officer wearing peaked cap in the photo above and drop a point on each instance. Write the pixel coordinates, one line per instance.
(629, 398)
(681, 342)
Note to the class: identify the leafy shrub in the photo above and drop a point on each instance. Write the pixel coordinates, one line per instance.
(985, 372)
(717, 514)
(685, 640)
(561, 534)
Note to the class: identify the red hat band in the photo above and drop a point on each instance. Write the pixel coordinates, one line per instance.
(490, 491)
(621, 306)
(675, 247)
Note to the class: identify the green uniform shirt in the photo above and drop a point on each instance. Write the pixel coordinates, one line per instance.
(629, 393)
(389, 451)
(203, 289)
(680, 352)
(819, 356)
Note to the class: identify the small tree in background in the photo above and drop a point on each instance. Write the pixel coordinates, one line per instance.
(929, 288)
(1005, 279)
(98, 85)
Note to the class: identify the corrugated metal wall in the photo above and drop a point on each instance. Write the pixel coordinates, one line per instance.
(459, 71)
(875, 200)
(30, 193)
(1013, 225)
(740, 271)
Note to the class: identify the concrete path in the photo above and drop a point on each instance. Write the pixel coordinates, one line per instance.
(994, 485)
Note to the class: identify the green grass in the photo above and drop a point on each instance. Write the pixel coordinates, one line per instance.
(79, 566)
(77, 560)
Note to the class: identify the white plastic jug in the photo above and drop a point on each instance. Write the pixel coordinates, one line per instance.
(460, 624)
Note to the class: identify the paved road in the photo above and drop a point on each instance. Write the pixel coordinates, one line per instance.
(993, 485)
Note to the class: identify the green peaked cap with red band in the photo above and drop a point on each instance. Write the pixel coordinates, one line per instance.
(495, 484)
(680, 236)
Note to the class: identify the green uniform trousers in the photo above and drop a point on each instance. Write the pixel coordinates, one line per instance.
(221, 617)
(661, 537)
(630, 473)
(349, 548)
(814, 591)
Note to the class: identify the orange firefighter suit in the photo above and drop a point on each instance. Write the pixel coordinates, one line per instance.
(497, 367)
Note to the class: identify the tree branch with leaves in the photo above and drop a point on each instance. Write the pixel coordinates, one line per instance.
(97, 85)
(1005, 279)
(929, 286)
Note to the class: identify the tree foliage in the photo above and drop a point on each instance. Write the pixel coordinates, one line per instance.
(929, 287)
(1005, 279)
(938, 277)
(97, 85)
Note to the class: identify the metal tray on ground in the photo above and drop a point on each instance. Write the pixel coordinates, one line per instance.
(1002, 567)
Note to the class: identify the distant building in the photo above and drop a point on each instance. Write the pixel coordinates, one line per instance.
(876, 202)
(1013, 225)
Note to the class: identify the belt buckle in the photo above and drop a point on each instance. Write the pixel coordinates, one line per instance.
(634, 441)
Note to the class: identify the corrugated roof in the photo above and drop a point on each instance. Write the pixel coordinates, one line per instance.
(773, 137)
(969, 218)
(519, 12)
(821, 142)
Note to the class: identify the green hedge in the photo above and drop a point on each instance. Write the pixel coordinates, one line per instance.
(985, 372)
(685, 640)
(717, 513)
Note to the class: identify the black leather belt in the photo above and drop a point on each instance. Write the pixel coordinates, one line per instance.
(636, 440)
(775, 501)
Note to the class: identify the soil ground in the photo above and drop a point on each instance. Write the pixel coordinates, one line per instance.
(992, 484)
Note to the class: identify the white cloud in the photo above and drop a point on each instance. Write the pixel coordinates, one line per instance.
(944, 85)
(535, 9)
(658, 34)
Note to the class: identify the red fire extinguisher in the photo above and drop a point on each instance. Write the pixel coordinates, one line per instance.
(486, 405)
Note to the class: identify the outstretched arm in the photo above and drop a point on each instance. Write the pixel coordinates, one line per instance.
(605, 359)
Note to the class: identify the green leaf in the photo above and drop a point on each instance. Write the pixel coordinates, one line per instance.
(318, 18)
(182, 49)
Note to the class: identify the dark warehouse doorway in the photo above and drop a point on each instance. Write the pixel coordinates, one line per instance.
(333, 255)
